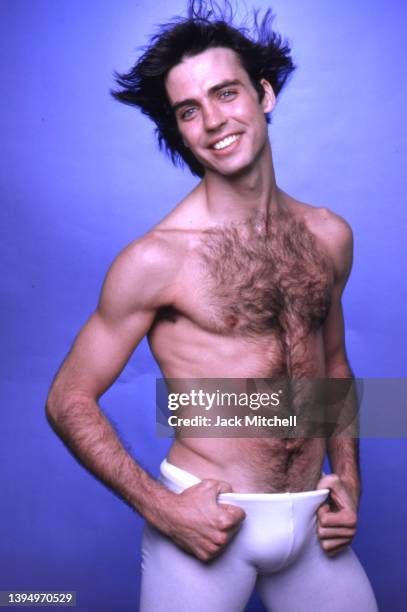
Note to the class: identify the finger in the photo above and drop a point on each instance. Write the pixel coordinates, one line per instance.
(220, 539)
(215, 552)
(324, 509)
(336, 551)
(339, 494)
(213, 488)
(230, 516)
(233, 531)
(203, 555)
(223, 487)
(335, 532)
(343, 518)
(329, 545)
(330, 481)
(334, 546)
(223, 537)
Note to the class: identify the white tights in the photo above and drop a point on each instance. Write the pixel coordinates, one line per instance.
(276, 551)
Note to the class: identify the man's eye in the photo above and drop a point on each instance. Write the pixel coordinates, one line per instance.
(228, 93)
(187, 113)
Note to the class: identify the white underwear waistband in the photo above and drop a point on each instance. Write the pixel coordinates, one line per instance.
(177, 480)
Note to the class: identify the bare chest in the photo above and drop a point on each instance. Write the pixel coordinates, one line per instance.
(250, 282)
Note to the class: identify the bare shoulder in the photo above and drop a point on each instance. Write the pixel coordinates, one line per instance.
(142, 275)
(333, 233)
(332, 229)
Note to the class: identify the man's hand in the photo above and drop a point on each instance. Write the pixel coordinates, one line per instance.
(337, 519)
(198, 524)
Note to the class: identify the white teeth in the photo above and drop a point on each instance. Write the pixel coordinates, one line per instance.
(225, 142)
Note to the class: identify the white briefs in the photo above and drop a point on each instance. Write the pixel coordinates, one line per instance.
(276, 551)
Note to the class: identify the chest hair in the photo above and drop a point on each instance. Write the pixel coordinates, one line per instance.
(268, 276)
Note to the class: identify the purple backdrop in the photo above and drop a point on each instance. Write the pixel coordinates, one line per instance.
(79, 181)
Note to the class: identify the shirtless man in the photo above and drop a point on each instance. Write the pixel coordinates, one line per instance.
(240, 280)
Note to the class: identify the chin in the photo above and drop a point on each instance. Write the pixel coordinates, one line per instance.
(235, 170)
(232, 168)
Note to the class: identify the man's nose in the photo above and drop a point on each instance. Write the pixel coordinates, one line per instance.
(213, 117)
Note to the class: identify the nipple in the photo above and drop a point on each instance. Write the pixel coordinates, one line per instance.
(231, 321)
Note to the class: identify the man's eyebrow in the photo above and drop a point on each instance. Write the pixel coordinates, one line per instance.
(227, 83)
(212, 90)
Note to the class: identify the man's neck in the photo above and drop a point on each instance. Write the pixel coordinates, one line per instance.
(235, 198)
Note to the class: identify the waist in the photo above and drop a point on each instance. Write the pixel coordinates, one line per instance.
(262, 465)
(177, 480)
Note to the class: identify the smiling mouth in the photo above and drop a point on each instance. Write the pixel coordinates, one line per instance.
(226, 142)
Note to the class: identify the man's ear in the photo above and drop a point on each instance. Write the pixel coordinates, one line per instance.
(269, 99)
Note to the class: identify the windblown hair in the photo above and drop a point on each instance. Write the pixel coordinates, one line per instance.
(262, 52)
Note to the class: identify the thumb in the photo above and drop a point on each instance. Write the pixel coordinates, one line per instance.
(332, 482)
(213, 488)
(338, 493)
(223, 487)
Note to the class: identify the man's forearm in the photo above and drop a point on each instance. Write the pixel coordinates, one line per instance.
(86, 431)
(343, 446)
(343, 455)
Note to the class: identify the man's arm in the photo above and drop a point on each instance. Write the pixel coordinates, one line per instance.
(124, 314)
(336, 529)
(138, 283)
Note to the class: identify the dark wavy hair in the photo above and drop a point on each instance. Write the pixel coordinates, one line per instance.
(263, 54)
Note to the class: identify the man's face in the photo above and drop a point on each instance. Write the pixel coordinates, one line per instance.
(218, 111)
